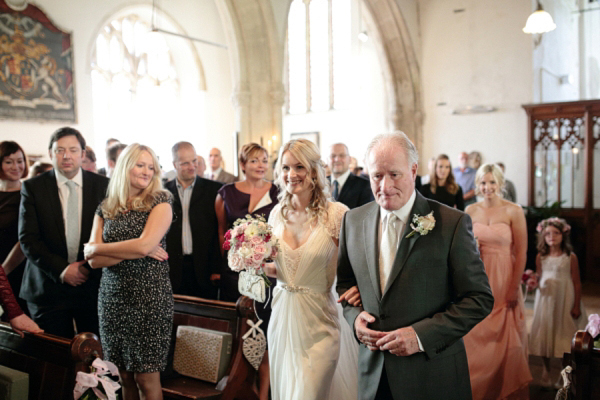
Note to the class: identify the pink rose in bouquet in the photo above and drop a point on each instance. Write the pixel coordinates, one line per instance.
(530, 281)
(250, 243)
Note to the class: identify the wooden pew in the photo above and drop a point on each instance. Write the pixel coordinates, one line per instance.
(585, 361)
(220, 316)
(51, 361)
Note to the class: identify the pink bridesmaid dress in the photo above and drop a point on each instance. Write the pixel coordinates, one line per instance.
(497, 347)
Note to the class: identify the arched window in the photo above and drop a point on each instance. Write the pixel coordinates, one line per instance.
(319, 47)
(137, 90)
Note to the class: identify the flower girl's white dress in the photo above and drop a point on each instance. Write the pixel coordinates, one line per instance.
(304, 330)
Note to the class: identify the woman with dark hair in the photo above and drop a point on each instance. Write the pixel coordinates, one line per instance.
(442, 187)
(14, 167)
(89, 161)
(256, 196)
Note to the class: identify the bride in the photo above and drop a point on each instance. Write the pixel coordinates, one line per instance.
(304, 333)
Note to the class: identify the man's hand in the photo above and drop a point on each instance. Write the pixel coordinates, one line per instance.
(352, 297)
(73, 276)
(401, 342)
(365, 335)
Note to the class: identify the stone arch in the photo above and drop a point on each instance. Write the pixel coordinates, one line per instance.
(401, 68)
(256, 64)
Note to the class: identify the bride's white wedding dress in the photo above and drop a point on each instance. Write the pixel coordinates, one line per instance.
(304, 330)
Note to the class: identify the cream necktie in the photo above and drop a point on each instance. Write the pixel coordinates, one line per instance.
(72, 222)
(389, 248)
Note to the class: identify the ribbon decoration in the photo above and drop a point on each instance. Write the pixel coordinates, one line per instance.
(100, 369)
(254, 329)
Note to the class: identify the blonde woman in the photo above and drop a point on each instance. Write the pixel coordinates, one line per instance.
(497, 347)
(135, 303)
(304, 332)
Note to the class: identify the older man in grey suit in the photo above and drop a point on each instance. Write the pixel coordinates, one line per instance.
(423, 285)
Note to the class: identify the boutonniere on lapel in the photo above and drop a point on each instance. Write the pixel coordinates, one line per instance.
(422, 225)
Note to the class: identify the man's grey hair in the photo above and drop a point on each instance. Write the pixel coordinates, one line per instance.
(398, 138)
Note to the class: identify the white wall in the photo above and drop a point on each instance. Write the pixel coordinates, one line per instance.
(477, 57)
(84, 18)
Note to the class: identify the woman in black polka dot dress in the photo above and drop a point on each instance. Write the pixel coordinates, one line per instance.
(135, 303)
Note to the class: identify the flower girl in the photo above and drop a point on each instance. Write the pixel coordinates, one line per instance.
(558, 311)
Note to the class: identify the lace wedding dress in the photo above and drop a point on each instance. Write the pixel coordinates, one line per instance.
(305, 341)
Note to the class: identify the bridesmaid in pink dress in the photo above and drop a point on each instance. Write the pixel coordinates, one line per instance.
(497, 347)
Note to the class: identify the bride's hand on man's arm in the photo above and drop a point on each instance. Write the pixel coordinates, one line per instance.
(352, 297)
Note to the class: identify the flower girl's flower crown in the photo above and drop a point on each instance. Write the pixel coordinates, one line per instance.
(556, 222)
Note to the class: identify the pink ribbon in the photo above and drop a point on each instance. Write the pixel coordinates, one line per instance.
(100, 369)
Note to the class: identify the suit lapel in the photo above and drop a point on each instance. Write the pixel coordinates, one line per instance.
(371, 233)
(55, 205)
(421, 207)
(345, 189)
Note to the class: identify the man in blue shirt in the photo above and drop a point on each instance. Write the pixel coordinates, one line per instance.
(465, 177)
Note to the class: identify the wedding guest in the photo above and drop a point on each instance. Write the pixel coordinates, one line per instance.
(112, 154)
(256, 196)
(497, 347)
(217, 173)
(465, 177)
(347, 188)
(135, 304)
(475, 160)
(89, 161)
(18, 320)
(510, 192)
(193, 240)
(430, 171)
(310, 357)
(442, 186)
(201, 166)
(102, 171)
(14, 167)
(38, 167)
(55, 220)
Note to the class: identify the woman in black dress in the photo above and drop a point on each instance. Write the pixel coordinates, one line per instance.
(13, 168)
(135, 302)
(442, 187)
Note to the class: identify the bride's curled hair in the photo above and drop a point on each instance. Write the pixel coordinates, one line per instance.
(307, 153)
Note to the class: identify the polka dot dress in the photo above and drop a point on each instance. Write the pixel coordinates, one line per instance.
(135, 303)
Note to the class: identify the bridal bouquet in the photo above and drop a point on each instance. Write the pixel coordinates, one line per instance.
(102, 383)
(250, 244)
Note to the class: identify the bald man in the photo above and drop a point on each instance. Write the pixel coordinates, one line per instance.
(216, 172)
(347, 188)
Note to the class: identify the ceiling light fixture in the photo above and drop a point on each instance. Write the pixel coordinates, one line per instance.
(539, 21)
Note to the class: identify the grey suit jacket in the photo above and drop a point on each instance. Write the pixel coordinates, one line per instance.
(437, 285)
(225, 177)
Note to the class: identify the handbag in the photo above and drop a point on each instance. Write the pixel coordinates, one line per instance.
(252, 285)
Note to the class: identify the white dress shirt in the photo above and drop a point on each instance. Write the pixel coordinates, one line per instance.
(403, 215)
(63, 194)
(341, 180)
(213, 175)
(185, 195)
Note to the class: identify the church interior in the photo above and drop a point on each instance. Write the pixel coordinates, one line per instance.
(454, 75)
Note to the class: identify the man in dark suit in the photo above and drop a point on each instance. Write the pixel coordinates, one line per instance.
(421, 291)
(193, 241)
(56, 215)
(347, 188)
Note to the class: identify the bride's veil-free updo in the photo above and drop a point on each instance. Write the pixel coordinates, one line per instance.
(307, 153)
